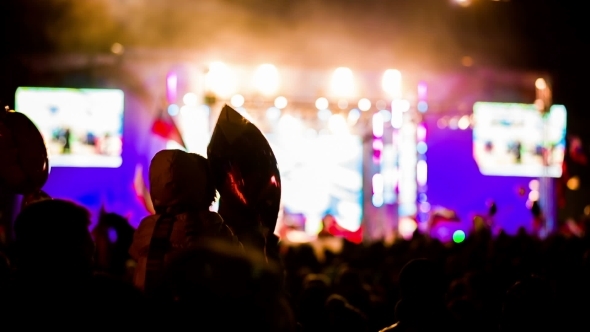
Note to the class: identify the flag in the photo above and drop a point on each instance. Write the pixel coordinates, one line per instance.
(443, 215)
(165, 127)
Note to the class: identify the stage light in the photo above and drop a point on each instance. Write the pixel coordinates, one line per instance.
(397, 119)
(540, 84)
(421, 172)
(220, 80)
(377, 183)
(392, 83)
(425, 207)
(422, 106)
(421, 147)
(343, 82)
(573, 183)
(324, 114)
(377, 200)
(337, 124)
(353, 116)
(173, 110)
(406, 227)
(534, 185)
(463, 122)
(364, 104)
(421, 133)
(280, 102)
(453, 122)
(237, 100)
(377, 144)
(353, 213)
(190, 99)
(313, 224)
(534, 196)
(322, 103)
(266, 79)
(400, 105)
(422, 91)
(377, 150)
(386, 115)
(458, 236)
(442, 123)
(273, 113)
(342, 104)
(171, 87)
(377, 125)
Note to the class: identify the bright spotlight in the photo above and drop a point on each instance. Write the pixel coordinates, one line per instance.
(364, 104)
(321, 103)
(220, 79)
(190, 99)
(392, 83)
(280, 102)
(378, 124)
(400, 105)
(540, 84)
(463, 122)
(266, 79)
(237, 101)
(343, 82)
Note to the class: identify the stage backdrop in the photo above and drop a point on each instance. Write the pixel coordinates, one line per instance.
(455, 181)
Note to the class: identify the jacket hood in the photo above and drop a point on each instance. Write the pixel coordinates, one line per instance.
(180, 181)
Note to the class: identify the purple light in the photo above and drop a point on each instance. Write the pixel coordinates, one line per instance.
(377, 149)
(422, 90)
(171, 87)
(421, 133)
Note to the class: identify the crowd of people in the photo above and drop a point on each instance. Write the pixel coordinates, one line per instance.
(186, 266)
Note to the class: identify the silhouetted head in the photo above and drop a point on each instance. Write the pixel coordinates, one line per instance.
(421, 280)
(528, 306)
(216, 284)
(180, 181)
(342, 316)
(52, 238)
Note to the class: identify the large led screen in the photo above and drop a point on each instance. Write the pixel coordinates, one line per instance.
(321, 175)
(81, 127)
(516, 140)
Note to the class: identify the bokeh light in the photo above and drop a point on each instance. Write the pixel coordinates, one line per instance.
(190, 99)
(237, 100)
(364, 104)
(458, 236)
(266, 79)
(280, 102)
(321, 103)
(343, 82)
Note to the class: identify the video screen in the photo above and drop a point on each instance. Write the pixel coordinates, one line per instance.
(81, 127)
(321, 175)
(515, 139)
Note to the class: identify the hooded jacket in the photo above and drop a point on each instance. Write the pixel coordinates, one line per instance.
(181, 190)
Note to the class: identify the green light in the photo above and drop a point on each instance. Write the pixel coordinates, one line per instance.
(458, 236)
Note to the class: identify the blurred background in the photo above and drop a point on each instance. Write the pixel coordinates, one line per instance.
(385, 116)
